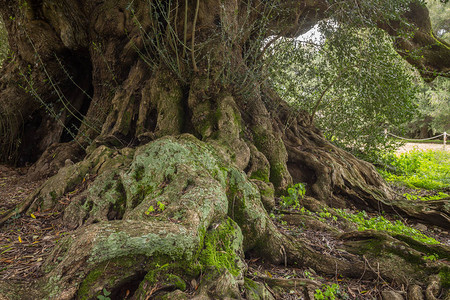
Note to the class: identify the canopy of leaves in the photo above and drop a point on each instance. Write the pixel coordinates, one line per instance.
(352, 82)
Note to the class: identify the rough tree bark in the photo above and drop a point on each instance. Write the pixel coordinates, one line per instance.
(160, 106)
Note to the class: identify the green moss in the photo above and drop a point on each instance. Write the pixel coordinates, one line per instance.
(423, 247)
(250, 284)
(374, 245)
(139, 172)
(277, 173)
(177, 281)
(53, 195)
(164, 274)
(119, 200)
(262, 175)
(126, 121)
(267, 192)
(259, 139)
(88, 282)
(108, 274)
(220, 248)
(444, 275)
(255, 290)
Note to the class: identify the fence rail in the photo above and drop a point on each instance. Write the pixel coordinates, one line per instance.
(386, 133)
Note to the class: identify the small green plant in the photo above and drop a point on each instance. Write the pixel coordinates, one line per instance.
(105, 295)
(380, 223)
(325, 214)
(150, 210)
(308, 275)
(295, 194)
(329, 292)
(160, 208)
(278, 218)
(432, 257)
(411, 197)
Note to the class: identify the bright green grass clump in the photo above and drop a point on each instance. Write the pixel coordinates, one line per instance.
(438, 196)
(419, 169)
(380, 223)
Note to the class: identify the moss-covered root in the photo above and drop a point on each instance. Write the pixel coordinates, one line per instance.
(148, 259)
(245, 207)
(401, 259)
(170, 224)
(116, 257)
(69, 177)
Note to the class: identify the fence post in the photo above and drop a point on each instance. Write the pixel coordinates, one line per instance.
(445, 139)
(385, 134)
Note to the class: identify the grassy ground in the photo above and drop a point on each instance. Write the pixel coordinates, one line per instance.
(429, 170)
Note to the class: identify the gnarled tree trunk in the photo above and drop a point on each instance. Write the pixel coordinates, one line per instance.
(160, 103)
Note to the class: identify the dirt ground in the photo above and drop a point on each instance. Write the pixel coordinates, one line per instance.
(421, 146)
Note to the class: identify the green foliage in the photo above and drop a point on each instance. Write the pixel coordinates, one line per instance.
(104, 296)
(444, 275)
(413, 197)
(295, 194)
(353, 84)
(431, 257)
(434, 106)
(160, 208)
(329, 292)
(325, 214)
(419, 169)
(380, 223)
(434, 99)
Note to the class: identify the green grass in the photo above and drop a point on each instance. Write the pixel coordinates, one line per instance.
(419, 169)
(415, 197)
(380, 223)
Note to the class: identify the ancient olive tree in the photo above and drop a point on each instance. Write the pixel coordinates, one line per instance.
(156, 116)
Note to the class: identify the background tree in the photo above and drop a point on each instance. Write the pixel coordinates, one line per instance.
(352, 83)
(433, 109)
(156, 116)
(433, 100)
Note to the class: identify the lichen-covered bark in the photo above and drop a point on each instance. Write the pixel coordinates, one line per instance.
(165, 208)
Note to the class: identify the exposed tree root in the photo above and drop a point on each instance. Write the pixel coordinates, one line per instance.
(157, 217)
